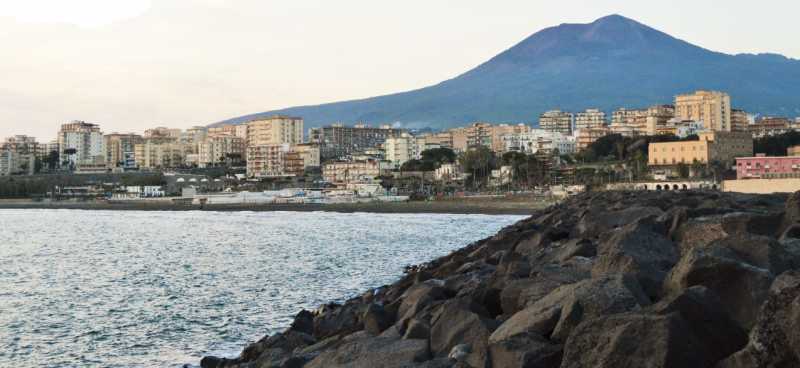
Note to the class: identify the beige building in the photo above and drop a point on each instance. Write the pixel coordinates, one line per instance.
(121, 149)
(641, 121)
(218, 149)
(275, 130)
(590, 119)
(310, 153)
(556, 121)
(399, 150)
(161, 153)
(711, 107)
(162, 132)
(498, 131)
(711, 146)
(739, 121)
(585, 137)
(343, 172)
(84, 141)
(15, 163)
(474, 135)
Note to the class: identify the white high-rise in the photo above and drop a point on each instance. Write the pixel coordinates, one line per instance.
(85, 139)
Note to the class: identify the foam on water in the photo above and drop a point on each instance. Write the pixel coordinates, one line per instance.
(155, 289)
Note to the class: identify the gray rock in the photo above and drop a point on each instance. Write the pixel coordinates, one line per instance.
(374, 352)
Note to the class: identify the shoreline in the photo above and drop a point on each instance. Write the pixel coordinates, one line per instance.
(460, 206)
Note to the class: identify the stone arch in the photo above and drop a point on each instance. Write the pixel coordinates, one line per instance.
(675, 186)
(658, 187)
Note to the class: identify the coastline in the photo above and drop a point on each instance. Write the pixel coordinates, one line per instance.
(510, 206)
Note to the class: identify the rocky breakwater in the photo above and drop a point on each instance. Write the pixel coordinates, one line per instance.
(618, 279)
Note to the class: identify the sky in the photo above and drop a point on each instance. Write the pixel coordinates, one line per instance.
(134, 64)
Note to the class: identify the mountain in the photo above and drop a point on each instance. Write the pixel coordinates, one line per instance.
(610, 63)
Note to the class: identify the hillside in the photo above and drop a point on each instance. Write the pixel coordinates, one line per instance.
(610, 63)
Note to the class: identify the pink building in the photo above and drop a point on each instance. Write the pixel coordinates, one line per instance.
(761, 167)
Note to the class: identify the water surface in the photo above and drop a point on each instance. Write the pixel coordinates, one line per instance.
(161, 289)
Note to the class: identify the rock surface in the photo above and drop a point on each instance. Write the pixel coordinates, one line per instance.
(612, 279)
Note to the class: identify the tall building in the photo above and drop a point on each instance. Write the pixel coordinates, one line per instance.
(275, 130)
(161, 153)
(711, 107)
(406, 147)
(556, 121)
(739, 121)
(590, 119)
(337, 140)
(474, 135)
(638, 122)
(217, 149)
(121, 149)
(81, 144)
(21, 144)
(267, 160)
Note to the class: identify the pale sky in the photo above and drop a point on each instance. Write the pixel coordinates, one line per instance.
(134, 64)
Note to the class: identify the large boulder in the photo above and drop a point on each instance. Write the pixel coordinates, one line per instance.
(633, 340)
(775, 340)
(600, 220)
(559, 312)
(641, 250)
(456, 324)
(717, 333)
(419, 296)
(334, 319)
(374, 352)
(741, 287)
(525, 350)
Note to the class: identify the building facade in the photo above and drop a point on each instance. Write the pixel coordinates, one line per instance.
(337, 140)
(769, 125)
(762, 167)
(556, 121)
(121, 150)
(539, 141)
(585, 137)
(81, 143)
(219, 149)
(343, 172)
(710, 107)
(740, 121)
(590, 119)
(719, 146)
(161, 153)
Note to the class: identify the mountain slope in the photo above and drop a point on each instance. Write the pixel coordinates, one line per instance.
(610, 63)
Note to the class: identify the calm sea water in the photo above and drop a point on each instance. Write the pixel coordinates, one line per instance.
(163, 289)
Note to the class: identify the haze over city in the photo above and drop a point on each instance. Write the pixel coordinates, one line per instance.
(139, 64)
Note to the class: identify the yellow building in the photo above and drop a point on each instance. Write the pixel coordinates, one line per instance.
(711, 146)
(556, 121)
(498, 131)
(275, 130)
(739, 121)
(711, 107)
(218, 149)
(161, 153)
(586, 137)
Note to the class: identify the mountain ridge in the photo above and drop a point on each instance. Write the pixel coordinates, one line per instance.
(610, 63)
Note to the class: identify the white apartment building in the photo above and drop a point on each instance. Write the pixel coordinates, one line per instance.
(87, 141)
(12, 163)
(406, 147)
(538, 140)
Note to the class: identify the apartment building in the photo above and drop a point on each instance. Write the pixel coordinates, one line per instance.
(406, 147)
(556, 121)
(740, 121)
(219, 149)
(585, 137)
(161, 153)
(711, 146)
(121, 149)
(539, 141)
(21, 144)
(710, 107)
(344, 172)
(16, 163)
(162, 132)
(275, 130)
(770, 125)
(338, 140)
(636, 122)
(81, 143)
(590, 119)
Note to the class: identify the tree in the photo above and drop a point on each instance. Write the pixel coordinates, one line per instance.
(439, 156)
(418, 165)
(479, 161)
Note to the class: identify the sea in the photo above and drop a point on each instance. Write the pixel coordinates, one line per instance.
(163, 289)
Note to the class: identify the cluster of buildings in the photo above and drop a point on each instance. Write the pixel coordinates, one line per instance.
(277, 146)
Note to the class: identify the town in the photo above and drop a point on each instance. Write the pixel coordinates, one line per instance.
(697, 141)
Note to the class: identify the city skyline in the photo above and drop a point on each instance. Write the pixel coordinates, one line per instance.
(118, 67)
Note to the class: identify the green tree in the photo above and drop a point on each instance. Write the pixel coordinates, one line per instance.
(683, 170)
(439, 156)
(479, 161)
